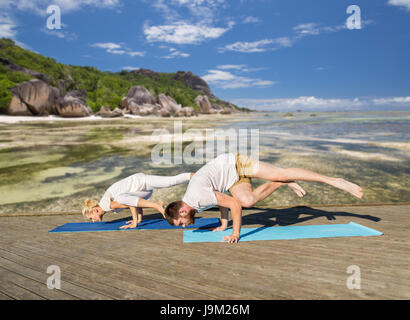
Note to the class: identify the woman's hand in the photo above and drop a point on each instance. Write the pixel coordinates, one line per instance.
(130, 225)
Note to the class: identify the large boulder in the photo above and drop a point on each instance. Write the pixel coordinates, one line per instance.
(72, 106)
(15, 67)
(168, 104)
(38, 96)
(143, 109)
(204, 104)
(18, 108)
(194, 82)
(140, 96)
(185, 112)
(106, 112)
(140, 102)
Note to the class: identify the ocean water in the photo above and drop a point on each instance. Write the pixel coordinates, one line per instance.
(52, 167)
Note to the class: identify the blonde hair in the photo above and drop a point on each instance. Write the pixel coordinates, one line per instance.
(88, 206)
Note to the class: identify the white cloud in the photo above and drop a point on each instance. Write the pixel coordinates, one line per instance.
(238, 68)
(129, 68)
(400, 3)
(251, 19)
(299, 31)
(320, 104)
(174, 53)
(40, 6)
(248, 47)
(307, 29)
(115, 48)
(182, 33)
(187, 21)
(60, 33)
(231, 66)
(7, 26)
(227, 80)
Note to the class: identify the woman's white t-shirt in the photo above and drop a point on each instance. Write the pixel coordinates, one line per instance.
(217, 175)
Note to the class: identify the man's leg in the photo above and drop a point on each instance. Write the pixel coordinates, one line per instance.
(270, 172)
(249, 197)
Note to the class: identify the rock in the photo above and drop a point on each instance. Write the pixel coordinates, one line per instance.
(194, 82)
(226, 111)
(15, 67)
(38, 96)
(140, 102)
(203, 104)
(146, 72)
(164, 113)
(168, 104)
(144, 109)
(149, 109)
(18, 108)
(106, 112)
(82, 95)
(140, 95)
(185, 112)
(71, 106)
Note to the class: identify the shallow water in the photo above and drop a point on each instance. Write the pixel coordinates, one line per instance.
(53, 166)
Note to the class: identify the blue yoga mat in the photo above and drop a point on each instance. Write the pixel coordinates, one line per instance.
(144, 225)
(284, 233)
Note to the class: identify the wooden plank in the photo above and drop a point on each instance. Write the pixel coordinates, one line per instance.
(159, 262)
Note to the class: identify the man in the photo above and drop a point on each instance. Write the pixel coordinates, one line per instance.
(234, 172)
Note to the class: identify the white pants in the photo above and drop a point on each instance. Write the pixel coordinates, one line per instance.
(151, 182)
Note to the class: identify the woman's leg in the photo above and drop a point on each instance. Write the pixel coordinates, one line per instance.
(270, 172)
(157, 182)
(139, 200)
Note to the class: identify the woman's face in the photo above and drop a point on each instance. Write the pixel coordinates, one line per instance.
(95, 215)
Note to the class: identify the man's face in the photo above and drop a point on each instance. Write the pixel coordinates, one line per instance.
(183, 221)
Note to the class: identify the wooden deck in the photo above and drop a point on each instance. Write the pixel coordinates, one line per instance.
(156, 264)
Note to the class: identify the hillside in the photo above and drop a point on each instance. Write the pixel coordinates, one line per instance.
(100, 88)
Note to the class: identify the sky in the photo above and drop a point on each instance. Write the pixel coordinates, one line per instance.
(313, 55)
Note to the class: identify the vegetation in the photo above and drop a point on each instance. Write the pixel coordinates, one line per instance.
(103, 88)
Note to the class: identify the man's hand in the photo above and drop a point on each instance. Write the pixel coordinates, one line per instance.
(231, 239)
(130, 224)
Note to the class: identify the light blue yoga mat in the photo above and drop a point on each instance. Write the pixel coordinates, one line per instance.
(144, 224)
(284, 233)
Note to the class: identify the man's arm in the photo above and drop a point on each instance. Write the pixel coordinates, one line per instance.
(236, 212)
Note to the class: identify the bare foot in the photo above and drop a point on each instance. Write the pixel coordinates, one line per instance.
(347, 186)
(297, 189)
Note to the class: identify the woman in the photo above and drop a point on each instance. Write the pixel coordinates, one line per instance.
(132, 192)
